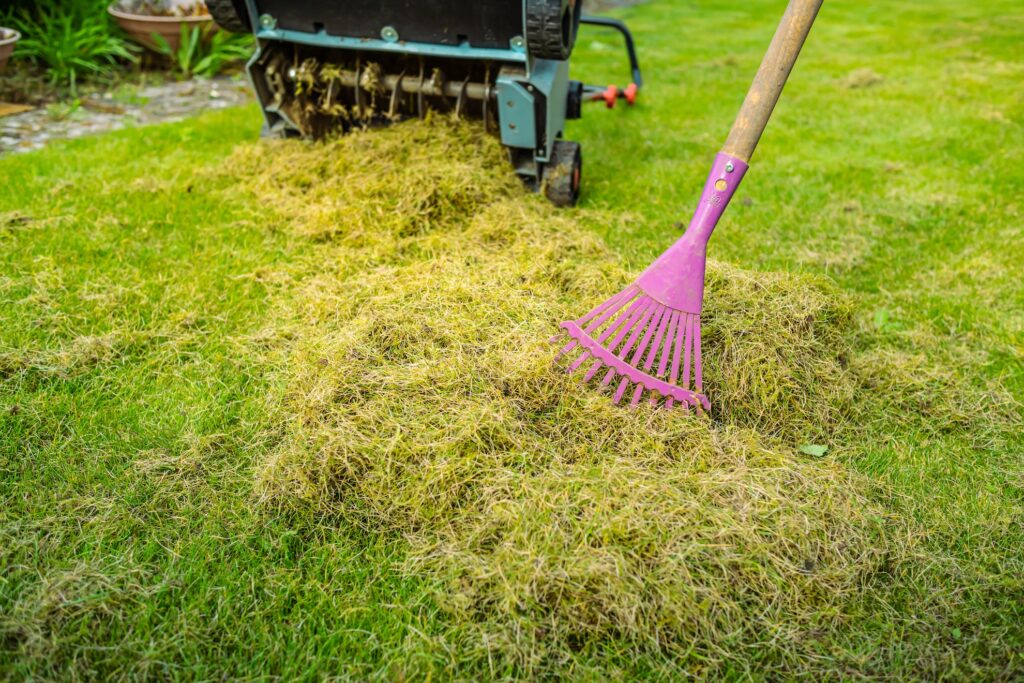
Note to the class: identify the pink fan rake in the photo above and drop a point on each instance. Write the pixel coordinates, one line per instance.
(647, 337)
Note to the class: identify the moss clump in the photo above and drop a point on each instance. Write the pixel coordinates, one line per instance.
(776, 353)
(419, 400)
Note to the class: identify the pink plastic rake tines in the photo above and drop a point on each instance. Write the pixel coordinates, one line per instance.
(647, 337)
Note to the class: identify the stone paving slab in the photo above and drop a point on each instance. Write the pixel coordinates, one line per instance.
(102, 112)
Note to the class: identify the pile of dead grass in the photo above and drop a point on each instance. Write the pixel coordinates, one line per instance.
(419, 400)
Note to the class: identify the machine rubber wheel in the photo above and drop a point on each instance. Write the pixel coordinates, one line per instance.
(230, 15)
(562, 174)
(551, 27)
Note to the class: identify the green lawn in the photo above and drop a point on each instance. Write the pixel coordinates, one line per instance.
(133, 416)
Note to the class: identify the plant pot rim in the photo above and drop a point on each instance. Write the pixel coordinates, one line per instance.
(8, 36)
(121, 14)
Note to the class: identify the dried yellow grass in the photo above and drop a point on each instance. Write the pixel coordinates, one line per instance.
(419, 400)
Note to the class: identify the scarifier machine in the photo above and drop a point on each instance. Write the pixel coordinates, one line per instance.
(323, 67)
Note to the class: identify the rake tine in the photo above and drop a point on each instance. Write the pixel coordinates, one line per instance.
(676, 353)
(666, 351)
(592, 371)
(687, 345)
(697, 383)
(621, 390)
(652, 352)
(637, 330)
(625, 322)
(578, 362)
(608, 314)
(644, 344)
(642, 329)
(641, 349)
(633, 329)
(635, 312)
(621, 298)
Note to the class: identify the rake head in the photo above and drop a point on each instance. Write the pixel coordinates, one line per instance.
(635, 345)
(646, 338)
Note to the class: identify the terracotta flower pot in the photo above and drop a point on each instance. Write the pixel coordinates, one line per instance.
(141, 27)
(8, 37)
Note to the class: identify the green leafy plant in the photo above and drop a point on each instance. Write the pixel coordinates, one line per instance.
(71, 39)
(201, 53)
(61, 111)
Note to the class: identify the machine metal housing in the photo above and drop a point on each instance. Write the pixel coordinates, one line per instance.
(322, 67)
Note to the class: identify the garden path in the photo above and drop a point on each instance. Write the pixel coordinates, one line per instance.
(106, 111)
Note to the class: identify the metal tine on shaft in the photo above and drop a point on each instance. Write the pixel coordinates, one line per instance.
(396, 93)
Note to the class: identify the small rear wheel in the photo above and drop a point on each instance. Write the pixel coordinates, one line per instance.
(562, 174)
(230, 15)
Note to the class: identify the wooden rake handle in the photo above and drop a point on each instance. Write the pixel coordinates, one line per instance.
(771, 78)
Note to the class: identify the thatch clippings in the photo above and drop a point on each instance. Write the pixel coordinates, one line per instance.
(420, 401)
